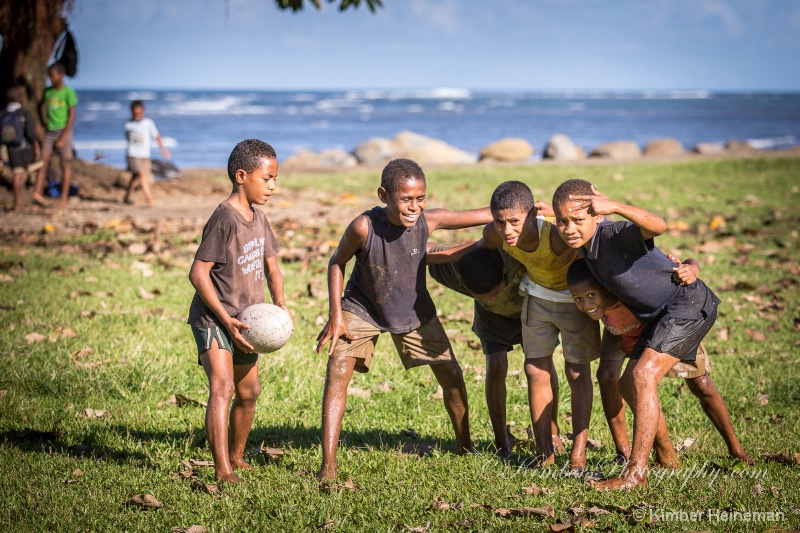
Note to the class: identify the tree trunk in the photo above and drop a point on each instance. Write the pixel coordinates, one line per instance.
(29, 29)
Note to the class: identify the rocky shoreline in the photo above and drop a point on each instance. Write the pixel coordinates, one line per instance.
(428, 152)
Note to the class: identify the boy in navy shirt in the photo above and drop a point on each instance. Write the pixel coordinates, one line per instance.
(623, 257)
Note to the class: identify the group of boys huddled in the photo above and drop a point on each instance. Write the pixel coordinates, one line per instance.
(538, 274)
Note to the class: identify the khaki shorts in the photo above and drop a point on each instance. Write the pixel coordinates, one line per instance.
(426, 345)
(692, 369)
(611, 348)
(139, 165)
(49, 142)
(543, 320)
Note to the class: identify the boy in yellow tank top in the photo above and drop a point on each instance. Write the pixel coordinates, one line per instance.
(547, 311)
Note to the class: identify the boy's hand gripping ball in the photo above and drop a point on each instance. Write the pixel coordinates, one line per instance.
(270, 327)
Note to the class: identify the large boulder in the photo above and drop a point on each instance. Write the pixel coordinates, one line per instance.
(664, 148)
(740, 148)
(376, 151)
(427, 151)
(509, 150)
(618, 150)
(561, 148)
(709, 149)
(306, 160)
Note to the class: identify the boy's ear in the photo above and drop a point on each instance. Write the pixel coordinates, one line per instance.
(240, 176)
(383, 195)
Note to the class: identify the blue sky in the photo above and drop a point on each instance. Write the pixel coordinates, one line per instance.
(535, 45)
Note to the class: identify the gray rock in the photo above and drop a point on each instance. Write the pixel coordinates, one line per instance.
(375, 152)
(561, 148)
(618, 150)
(709, 149)
(663, 148)
(740, 147)
(510, 150)
(306, 160)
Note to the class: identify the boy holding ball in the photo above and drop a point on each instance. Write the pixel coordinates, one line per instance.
(237, 253)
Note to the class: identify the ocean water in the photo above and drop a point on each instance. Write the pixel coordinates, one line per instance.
(201, 127)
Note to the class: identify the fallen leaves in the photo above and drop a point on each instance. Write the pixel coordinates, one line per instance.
(328, 486)
(95, 413)
(442, 505)
(32, 338)
(783, 458)
(201, 486)
(191, 529)
(144, 502)
(685, 444)
(547, 511)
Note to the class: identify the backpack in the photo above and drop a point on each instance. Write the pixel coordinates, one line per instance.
(12, 129)
(67, 54)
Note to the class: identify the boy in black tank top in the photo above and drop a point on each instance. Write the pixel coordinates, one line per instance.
(387, 292)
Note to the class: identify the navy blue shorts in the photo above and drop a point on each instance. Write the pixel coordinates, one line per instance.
(678, 337)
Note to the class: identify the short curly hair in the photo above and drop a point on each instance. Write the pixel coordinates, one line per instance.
(575, 187)
(512, 195)
(248, 155)
(578, 272)
(399, 170)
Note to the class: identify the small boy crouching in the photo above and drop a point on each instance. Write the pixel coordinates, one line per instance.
(237, 253)
(387, 292)
(624, 259)
(622, 331)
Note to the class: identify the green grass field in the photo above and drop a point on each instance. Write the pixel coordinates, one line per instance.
(121, 352)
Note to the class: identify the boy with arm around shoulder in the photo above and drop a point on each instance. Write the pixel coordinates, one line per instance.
(676, 317)
(237, 253)
(387, 292)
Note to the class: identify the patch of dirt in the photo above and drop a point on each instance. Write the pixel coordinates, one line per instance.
(188, 201)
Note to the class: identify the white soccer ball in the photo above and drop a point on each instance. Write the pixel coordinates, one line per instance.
(270, 327)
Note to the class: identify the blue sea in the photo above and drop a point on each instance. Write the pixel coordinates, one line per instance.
(201, 127)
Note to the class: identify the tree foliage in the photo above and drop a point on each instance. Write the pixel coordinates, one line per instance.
(297, 5)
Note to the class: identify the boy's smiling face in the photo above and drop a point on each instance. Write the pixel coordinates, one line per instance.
(259, 184)
(404, 205)
(510, 224)
(590, 298)
(576, 226)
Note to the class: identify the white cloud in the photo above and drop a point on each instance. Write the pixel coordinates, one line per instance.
(440, 13)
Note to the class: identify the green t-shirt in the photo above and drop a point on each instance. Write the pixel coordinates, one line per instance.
(56, 104)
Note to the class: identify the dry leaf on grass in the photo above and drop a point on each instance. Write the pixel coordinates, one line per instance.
(755, 335)
(569, 528)
(77, 472)
(62, 332)
(763, 399)
(186, 474)
(327, 524)
(783, 458)
(383, 387)
(421, 449)
(191, 529)
(95, 413)
(144, 502)
(5, 278)
(181, 400)
(418, 529)
(442, 505)
(208, 488)
(327, 486)
(438, 394)
(147, 295)
(547, 511)
(269, 452)
(533, 489)
(358, 392)
(685, 444)
(34, 337)
(88, 314)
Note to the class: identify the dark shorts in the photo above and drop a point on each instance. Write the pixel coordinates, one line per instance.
(203, 337)
(678, 337)
(19, 159)
(497, 333)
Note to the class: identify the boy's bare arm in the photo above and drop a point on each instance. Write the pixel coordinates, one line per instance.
(275, 285)
(651, 225)
(543, 209)
(68, 128)
(163, 148)
(446, 219)
(490, 240)
(200, 277)
(353, 240)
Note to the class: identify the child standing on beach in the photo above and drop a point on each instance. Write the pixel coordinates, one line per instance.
(624, 259)
(57, 112)
(622, 331)
(547, 311)
(19, 138)
(140, 132)
(237, 253)
(387, 292)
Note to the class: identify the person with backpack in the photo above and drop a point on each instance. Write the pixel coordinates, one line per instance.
(18, 136)
(57, 111)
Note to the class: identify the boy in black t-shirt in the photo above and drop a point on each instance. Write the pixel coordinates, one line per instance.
(237, 253)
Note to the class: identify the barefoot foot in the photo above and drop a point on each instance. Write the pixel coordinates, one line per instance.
(327, 473)
(628, 479)
(40, 200)
(743, 457)
(241, 464)
(229, 478)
